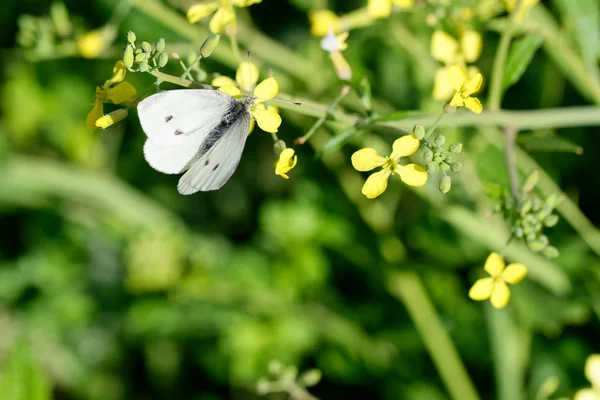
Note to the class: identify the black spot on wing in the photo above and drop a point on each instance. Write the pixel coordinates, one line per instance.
(215, 167)
(206, 162)
(168, 118)
(178, 132)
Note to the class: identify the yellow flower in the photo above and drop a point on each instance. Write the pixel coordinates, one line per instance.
(495, 288)
(383, 8)
(266, 116)
(471, 45)
(111, 118)
(335, 45)
(527, 4)
(368, 159)
(464, 89)
(442, 89)
(287, 160)
(224, 14)
(448, 50)
(321, 21)
(113, 91)
(93, 43)
(592, 373)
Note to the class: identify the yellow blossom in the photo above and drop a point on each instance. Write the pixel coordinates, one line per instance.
(223, 14)
(367, 159)
(592, 373)
(527, 4)
(383, 8)
(495, 288)
(113, 91)
(334, 45)
(442, 89)
(321, 21)
(94, 42)
(464, 89)
(286, 161)
(266, 116)
(111, 118)
(471, 45)
(444, 47)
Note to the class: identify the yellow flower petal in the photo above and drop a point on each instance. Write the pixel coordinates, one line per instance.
(587, 394)
(442, 89)
(471, 44)
(266, 90)
(379, 8)
(500, 295)
(223, 81)
(231, 90)
(123, 93)
(321, 20)
(482, 289)
(444, 47)
(223, 17)
(457, 100)
(198, 11)
(473, 84)
(473, 104)
(366, 159)
(457, 77)
(514, 273)
(494, 265)
(93, 43)
(592, 370)
(268, 120)
(403, 3)
(287, 160)
(119, 72)
(245, 3)
(246, 75)
(404, 146)
(96, 112)
(412, 174)
(112, 118)
(376, 184)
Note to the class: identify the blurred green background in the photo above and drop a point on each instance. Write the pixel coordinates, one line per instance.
(113, 286)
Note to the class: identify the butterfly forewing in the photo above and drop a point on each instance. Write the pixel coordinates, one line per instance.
(217, 162)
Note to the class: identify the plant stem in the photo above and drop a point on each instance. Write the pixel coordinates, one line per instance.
(511, 161)
(495, 94)
(407, 287)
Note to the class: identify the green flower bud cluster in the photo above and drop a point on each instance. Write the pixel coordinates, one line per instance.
(530, 216)
(441, 157)
(43, 34)
(284, 378)
(144, 57)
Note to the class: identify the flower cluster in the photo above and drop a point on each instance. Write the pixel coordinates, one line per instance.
(495, 287)
(222, 14)
(145, 57)
(114, 91)
(368, 159)
(441, 156)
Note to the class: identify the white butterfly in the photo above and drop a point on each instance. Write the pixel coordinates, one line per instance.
(199, 131)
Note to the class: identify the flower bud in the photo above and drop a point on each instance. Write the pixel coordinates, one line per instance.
(209, 45)
(141, 57)
(551, 220)
(112, 118)
(550, 252)
(440, 140)
(526, 207)
(163, 59)
(445, 184)
(143, 66)
(419, 131)
(430, 168)
(444, 166)
(275, 368)
(518, 231)
(263, 387)
(160, 45)
(456, 167)
(131, 37)
(147, 47)
(311, 377)
(456, 148)
(428, 155)
(128, 57)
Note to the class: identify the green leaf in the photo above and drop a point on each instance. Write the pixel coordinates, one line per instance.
(581, 19)
(548, 143)
(21, 378)
(337, 141)
(520, 56)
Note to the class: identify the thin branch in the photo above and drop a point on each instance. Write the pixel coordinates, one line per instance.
(511, 160)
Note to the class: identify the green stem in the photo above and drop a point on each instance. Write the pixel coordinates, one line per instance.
(434, 125)
(408, 288)
(495, 94)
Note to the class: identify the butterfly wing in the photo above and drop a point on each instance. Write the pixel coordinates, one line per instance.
(215, 166)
